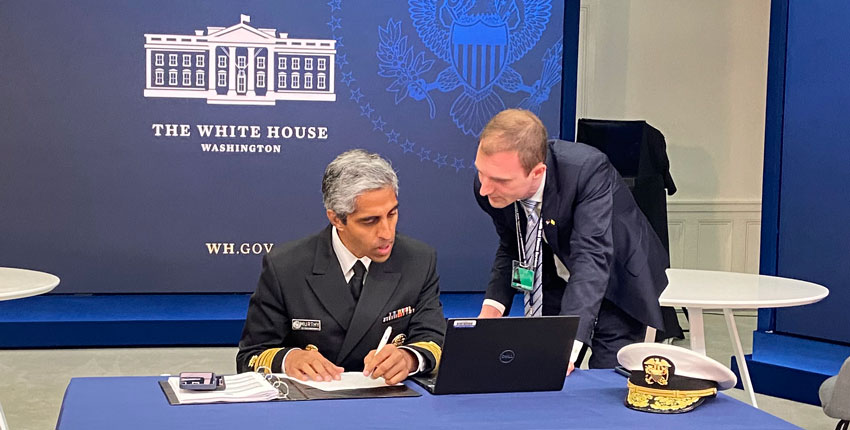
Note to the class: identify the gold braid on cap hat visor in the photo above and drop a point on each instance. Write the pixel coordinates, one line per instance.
(672, 393)
(660, 403)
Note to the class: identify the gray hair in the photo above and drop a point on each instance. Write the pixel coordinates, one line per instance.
(351, 174)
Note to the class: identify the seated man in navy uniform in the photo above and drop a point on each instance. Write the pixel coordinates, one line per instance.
(324, 302)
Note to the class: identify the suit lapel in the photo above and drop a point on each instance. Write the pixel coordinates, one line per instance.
(551, 202)
(381, 282)
(328, 283)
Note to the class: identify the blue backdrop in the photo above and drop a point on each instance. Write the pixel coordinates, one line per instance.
(95, 190)
(813, 193)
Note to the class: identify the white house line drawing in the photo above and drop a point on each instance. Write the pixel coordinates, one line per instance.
(239, 65)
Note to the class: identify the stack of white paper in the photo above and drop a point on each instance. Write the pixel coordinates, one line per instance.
(244, 387)
(347, 381)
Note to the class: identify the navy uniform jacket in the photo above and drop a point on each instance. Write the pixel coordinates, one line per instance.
(591, 222)
(302, 283)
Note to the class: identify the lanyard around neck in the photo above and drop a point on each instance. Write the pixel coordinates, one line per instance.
(520, 242)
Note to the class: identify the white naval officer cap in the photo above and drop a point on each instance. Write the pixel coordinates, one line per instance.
(669, 379)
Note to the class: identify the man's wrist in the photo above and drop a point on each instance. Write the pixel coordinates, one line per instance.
(497, 306)
(283, 362)
(577, 346)
(412, 362)
(416, 362)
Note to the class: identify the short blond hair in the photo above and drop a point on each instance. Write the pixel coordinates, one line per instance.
(516, 130)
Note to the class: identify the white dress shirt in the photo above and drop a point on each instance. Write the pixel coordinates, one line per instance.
(346, 258)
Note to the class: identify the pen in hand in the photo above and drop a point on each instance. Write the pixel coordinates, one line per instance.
(384, 339)
(382, 343)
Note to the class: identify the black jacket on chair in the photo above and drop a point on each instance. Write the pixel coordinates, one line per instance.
(639, 152)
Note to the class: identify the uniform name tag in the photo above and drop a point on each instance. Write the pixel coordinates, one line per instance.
(309, 325)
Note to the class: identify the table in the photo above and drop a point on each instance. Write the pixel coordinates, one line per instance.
(20, 283)
(590, 399)
(704, 289)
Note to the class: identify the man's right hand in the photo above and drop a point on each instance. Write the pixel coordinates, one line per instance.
(306, 365)
(488, 311)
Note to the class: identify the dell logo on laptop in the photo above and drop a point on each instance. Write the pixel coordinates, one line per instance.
(507, 356)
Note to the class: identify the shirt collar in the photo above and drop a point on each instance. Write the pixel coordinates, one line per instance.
(345, 257)
(538, 195)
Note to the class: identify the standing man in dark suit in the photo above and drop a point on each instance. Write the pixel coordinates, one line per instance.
(570, 236)
(324, 302)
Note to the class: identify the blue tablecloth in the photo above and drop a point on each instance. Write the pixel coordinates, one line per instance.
(591, 399)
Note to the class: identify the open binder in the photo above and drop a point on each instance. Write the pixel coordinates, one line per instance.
(255, 387)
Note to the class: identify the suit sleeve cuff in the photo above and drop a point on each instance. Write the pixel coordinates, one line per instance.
(271, 359)
(429, 353)
(419, 359)
(500, 307)
(577, 345)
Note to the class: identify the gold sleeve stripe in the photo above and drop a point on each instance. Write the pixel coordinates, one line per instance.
(431, 347)
(264, 360)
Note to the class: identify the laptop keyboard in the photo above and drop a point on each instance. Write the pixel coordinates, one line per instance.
(430, 380)
(426, 381)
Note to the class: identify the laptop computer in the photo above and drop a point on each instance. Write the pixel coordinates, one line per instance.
(496, 355)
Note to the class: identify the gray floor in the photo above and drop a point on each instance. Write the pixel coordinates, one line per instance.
(32, 382)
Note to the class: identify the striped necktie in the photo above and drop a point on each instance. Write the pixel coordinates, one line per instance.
(533, 300)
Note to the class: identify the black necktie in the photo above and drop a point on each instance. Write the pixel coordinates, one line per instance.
(356, 282)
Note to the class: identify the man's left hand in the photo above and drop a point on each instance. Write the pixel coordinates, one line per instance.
(570, 368)
(393, 364)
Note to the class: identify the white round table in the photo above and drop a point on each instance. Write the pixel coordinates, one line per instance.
(20, 283)
(704, 289)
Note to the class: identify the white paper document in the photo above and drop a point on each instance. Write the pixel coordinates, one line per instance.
(244, 387)
(348, 381)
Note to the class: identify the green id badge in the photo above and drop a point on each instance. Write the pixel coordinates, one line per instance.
(522, 278)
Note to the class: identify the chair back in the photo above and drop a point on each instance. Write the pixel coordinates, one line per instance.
(835, 394)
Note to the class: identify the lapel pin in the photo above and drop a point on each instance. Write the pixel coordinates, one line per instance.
(550, 222)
